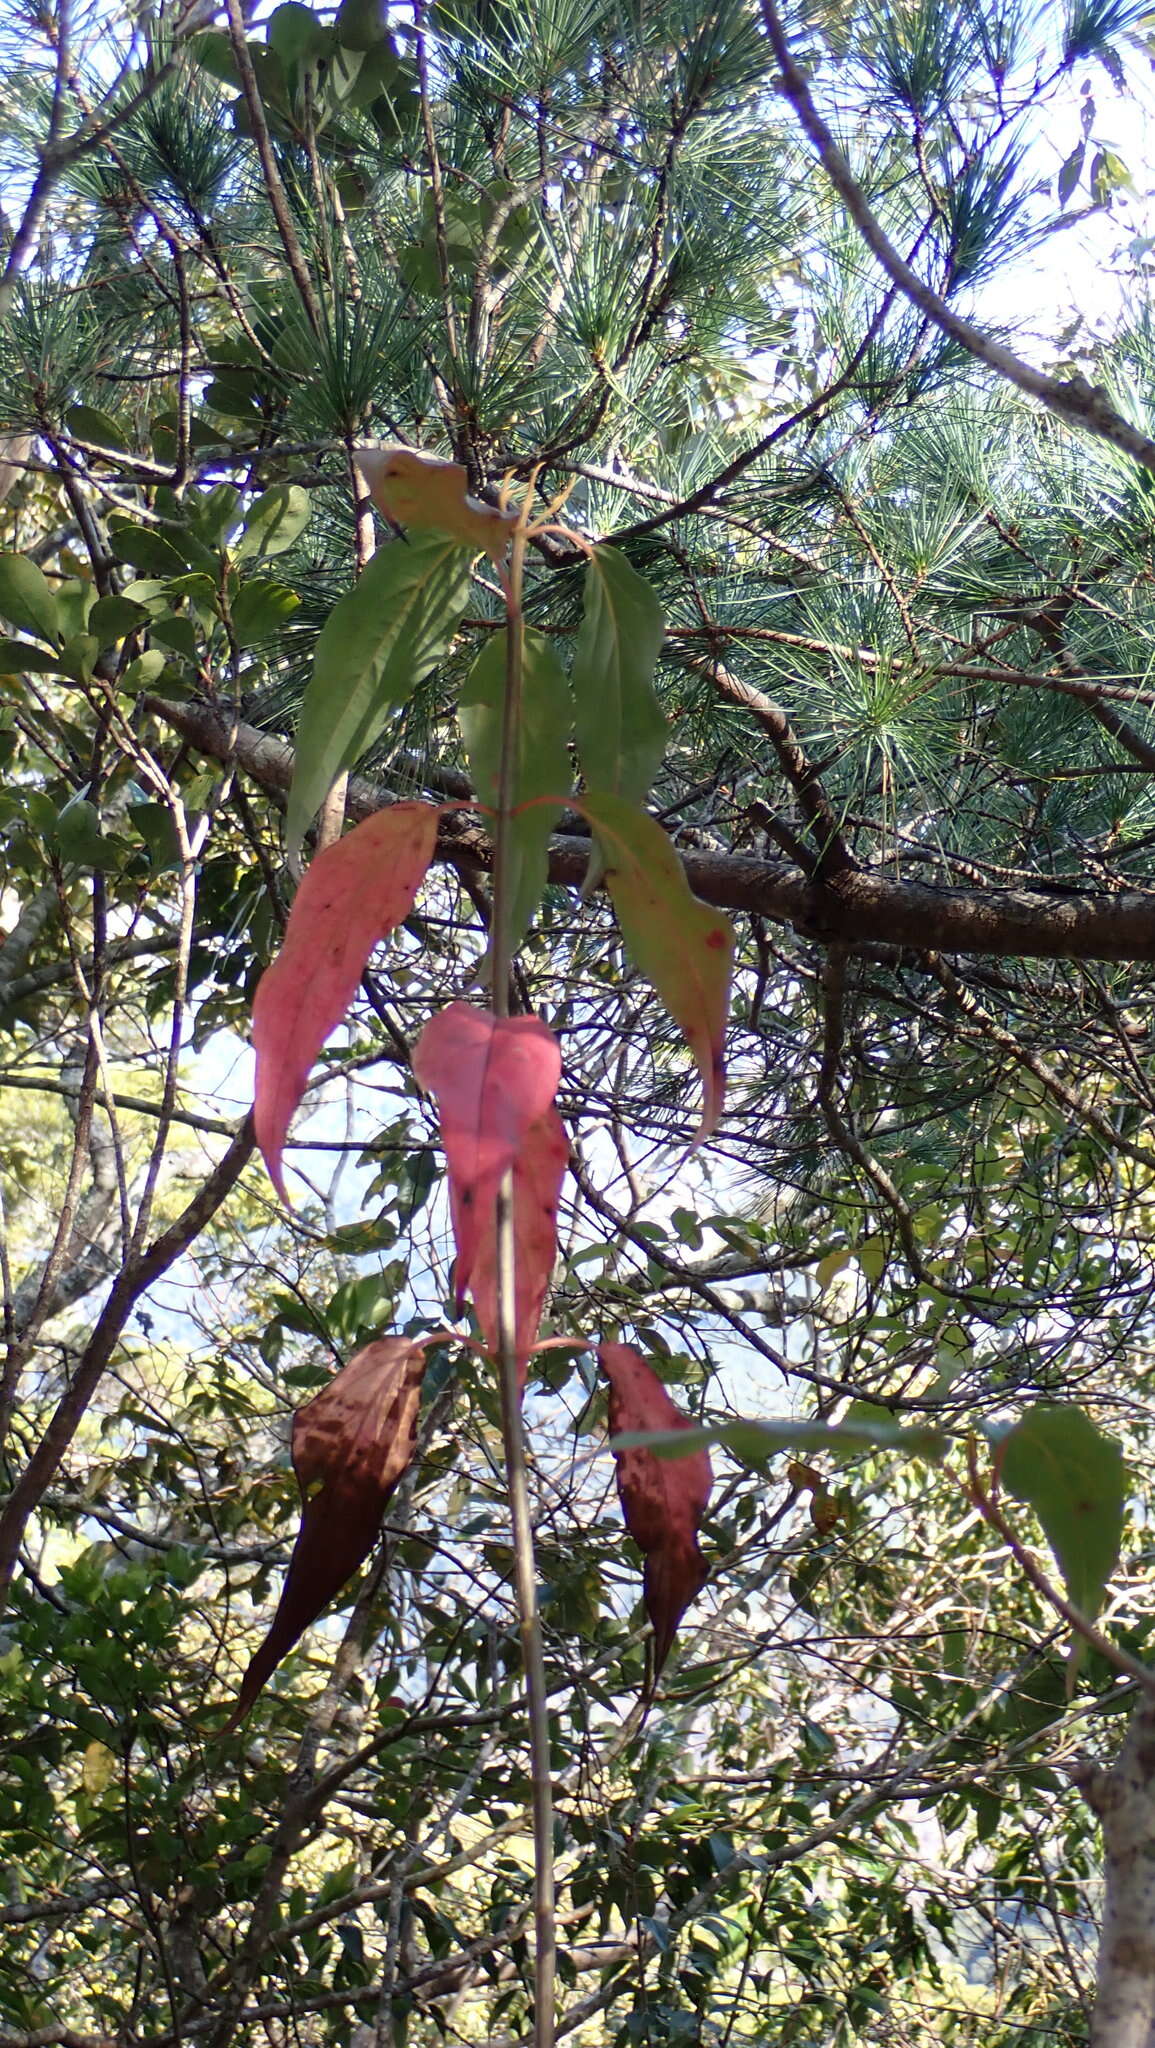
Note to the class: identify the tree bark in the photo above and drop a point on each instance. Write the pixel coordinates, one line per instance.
(856, 908)
(1124, 1799)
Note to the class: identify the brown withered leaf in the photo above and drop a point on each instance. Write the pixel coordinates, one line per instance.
(351, 1445)
(663, 1499)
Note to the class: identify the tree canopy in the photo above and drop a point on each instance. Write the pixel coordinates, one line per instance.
(821, 559)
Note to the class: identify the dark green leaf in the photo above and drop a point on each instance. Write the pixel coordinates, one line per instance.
(543, 767)
(378, 642)
(621, 733)
(146, 549)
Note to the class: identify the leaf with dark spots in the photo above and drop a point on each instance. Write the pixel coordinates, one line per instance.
(351, 1445)
(493, 1079)
(663, 1499)
(538, 1173)
(353, 895)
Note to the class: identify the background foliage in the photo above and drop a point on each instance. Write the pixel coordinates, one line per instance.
(909, 636)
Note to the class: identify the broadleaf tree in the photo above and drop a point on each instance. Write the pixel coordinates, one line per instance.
(770, 938)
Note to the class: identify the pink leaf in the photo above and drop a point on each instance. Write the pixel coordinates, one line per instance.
(353, 895)
(663, 1499)
(351, 1445)
(493, 1078)
(538, 1173)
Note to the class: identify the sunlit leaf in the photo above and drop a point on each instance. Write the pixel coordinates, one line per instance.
(277, 519)
(354, 893)
(431, 495)
(377, 643)
(663, 1501)
(1059, 1464)
(543, 766)
(493, 1079)
(683, 947)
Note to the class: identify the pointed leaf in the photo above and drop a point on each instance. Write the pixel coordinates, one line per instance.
(538, 1173)
(493, 1078)
(683, 947)
(353, 895)
(1072, 1476)
(663, 1501)
(351, 1445)
(621, 733)
(430, 495)
(543, 767)
(377, 643)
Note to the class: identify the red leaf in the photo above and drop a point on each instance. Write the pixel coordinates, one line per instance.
(351, 1445)
(353, 895)
(663, 1499)
(538, 1172)
(493, 1078)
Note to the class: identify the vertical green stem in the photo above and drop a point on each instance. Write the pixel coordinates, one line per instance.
(524, 1566)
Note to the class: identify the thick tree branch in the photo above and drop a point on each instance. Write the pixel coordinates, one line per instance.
(860, 909)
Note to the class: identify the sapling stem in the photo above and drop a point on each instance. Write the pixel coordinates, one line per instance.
(513, 1434)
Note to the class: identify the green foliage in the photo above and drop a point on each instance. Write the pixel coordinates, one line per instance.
(600, 245)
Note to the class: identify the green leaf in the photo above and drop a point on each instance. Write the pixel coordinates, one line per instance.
(1070, 173)
(361, 23)
(683, 947)
(78, 834)
(621, 733)
(26, 598)
(259, 609)
(1059, 1464)
(89, 424)
(295, 33)
(377, 643)
(142, 673)
(543, 767)
(275, 522)
(146, 549)
(112, 617)
(18, 657)
(753, 1442)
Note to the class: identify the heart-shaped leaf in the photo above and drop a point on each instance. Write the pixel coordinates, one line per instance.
(353, 895)
(663, 1501)
(351, 1445)
(683, 947)
(493, 1079)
